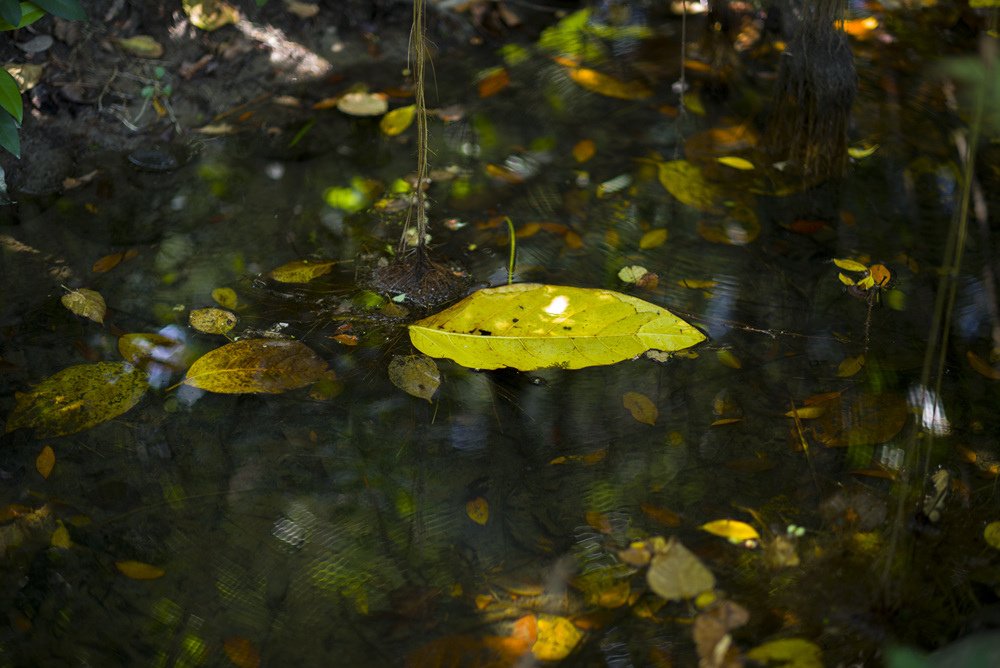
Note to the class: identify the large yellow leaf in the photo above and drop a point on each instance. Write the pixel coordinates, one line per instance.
(530, 326)
(78, 398)
(256, 365)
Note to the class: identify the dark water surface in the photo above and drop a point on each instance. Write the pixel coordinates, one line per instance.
(336, 532)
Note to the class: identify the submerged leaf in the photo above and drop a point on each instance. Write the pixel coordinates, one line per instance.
(78, 398)
(256, 365)
(415, 374)
(685, 181)
(641, 407)
(600, 83)
(225, 297)
(529, 326)
(301, 271)
(45, 461)
(478, 510)
(397, 120)
(242, 652)
(138, 570)
(675, 573)
(86, 303)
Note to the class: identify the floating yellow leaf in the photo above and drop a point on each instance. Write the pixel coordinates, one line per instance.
(788, 653)
(529, 326)
(242, 652)
(981, 366)
(78, 398)
(736, 162)
(301, 271)
(732, 530)
(653, 238)
(138, 570)
(584, 150)
(361, 103)
(415, 374)
(849, 265)
(60, 537)
(397, 120)
(632, 274)
(210, 14)
(225, 297)
(86, 303)
(807, 412)
(675, 573)
(143, 46)
(641, 408)
(685, 181)
(597, 82)
(850, 366)
(992, 535)
(478, 510)
(45, 461)
(557, 638)
(256, 366)
(212, 320)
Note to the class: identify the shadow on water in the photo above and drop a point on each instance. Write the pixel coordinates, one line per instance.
(366, 525)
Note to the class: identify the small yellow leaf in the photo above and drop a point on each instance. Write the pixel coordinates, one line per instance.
(478, 510)
(736, 162)
(225, 297)
(398, 120)
(417, 375)
(256, 365)
(109, 262)
(867, 283)
(726, 357)
(301, 271)
(363, 104)
(600, 83)
(86, 303)
(212, 320)
(584, 150)
(850, 366)
(695, 284)
(653, 238)
(138, 570)
(641, 408)
(45, 461)
(721, 422)
(992, 535)
(862, 151)
(788, 653)
(210, 15)
(60, 537)
(242, 652)
(807, 412)
(143, 46)
(557, 638)
(632, 274)
(846, 280)
(849, 265)
(732, 530)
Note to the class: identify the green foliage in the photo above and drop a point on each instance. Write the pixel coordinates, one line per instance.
(14, 15)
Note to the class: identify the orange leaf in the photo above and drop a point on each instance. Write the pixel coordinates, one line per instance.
(584, 150)
(45, 461)
(600, 83)
(493, 81)
(241, 652)
(109, 262)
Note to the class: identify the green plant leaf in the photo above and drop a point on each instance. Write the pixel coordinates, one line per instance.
(64, 9)
(256, 366)
(8, 134)
(29, 14)
(530, 326)
(78, 398)
(10, 11)
(10, 96)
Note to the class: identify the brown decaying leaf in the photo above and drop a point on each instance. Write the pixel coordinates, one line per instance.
(86, 303)
(212, 320)
(417, 375)
(256, 366)
(711, 634)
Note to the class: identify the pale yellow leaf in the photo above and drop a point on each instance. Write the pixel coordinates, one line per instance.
(363, 104)
(736, 162)
(862, 151)
(846, 280)
(632, 274)
(530, 326)
(685, 181)
(675, 573)
(732, 530)
(397, 120)
(849, 265)
(653, 238)
(45, 461)
(138, 570)
(641, 407)
(86, 303)
(301, 271)
(788, 653)
(256, 366)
